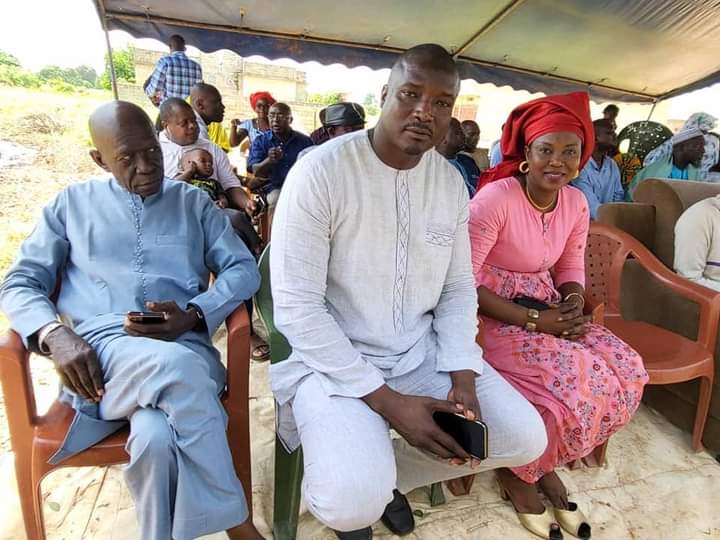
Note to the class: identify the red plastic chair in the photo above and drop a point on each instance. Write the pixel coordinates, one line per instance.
(35, 438)
(668, 357)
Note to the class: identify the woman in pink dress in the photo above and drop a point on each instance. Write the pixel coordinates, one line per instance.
(528, 231)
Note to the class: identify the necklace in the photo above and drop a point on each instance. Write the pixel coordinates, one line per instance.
(536, 205)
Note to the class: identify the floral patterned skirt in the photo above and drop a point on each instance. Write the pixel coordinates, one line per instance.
(585, 390)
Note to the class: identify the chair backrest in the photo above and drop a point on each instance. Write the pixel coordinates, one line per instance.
(670, 198)
(604, 257)
(279, 347)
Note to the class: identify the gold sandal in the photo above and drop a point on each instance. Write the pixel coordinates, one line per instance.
(541, 525)
(574, 521)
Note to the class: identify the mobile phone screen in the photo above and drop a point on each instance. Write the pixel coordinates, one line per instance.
(470, 435)
(147, 317)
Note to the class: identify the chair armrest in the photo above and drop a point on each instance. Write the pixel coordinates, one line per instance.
(238, 356)
(17, 385)
(596, 310)
(707, 299)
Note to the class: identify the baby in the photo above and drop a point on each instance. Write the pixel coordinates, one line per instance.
(197, 169)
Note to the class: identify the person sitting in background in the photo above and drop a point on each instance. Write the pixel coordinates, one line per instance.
(711, 151)
(339, 119)
(252, 127)
(599, 180)
(135, 242)
(209, 109)
(528, 232)
(495, 154)
(697, 243)
(449, 148)
(683, 163)
(610, 113)
(175, 74)
(472, 138)
(274, 152)
(320, 135)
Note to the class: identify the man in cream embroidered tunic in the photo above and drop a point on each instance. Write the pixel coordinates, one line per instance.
(373, 288)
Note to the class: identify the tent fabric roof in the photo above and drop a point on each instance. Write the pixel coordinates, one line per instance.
(644, 50)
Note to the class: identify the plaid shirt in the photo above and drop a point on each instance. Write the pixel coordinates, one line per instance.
(174, 76)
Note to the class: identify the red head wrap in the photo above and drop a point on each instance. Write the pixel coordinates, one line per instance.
(267, 96)
(527, 122)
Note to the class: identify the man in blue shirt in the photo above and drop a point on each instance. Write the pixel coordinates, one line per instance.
(600, 178)
(174, 74)
(450, 147)
(274, 152)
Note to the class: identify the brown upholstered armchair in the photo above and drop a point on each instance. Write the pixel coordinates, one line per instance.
(651, 219)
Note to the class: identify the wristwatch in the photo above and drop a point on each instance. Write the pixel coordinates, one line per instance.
(201, 324)
(533, 315)
(44, 332)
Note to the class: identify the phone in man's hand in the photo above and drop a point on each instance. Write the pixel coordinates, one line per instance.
(471, 435)
(147, 317)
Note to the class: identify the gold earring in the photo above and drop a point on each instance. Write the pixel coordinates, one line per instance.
(524, 167)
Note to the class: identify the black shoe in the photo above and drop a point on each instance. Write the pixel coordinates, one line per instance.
(398, 516)
(360, 534)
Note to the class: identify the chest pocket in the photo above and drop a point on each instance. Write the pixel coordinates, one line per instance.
(439, 235)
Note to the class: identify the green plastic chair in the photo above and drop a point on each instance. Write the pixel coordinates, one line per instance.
(289, 467)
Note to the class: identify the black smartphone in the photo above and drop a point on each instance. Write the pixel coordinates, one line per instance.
(531, 303)
(470, 434)
(147, 317)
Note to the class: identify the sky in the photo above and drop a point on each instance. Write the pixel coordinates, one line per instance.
(67, 33)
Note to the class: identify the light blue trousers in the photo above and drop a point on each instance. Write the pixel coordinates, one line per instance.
(181, 474)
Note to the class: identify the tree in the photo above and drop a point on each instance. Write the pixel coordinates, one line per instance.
(7, 59)
(328, 98)
(124, 61)
(371, 105)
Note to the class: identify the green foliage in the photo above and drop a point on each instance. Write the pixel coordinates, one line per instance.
(7, 59)
(328, 98)
(11, 75)
(124, 62)
(82, 76)
(371, 105)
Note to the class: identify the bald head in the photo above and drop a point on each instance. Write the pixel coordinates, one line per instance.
(454, 140)
(280, 118)
(426, 57)
(117, 117)
(207, 101)
(126, 146)
(172, 106)
(472, 134)
(176, 43)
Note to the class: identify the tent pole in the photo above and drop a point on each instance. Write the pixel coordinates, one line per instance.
(652, 109)
(113, 78)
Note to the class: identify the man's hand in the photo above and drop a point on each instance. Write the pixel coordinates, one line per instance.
(412, 417)
(177, 323)
(275, 154)
(250, 207)
(234, 123)
(463, 394)
(76, 363)
(222, 202)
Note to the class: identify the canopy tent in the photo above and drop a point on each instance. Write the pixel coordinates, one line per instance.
(641, 51)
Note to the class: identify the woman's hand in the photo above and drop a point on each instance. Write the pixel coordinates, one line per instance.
(566, 321)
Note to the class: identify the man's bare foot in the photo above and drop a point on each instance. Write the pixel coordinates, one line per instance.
(523, 496)
(244, 531)
(555, 490)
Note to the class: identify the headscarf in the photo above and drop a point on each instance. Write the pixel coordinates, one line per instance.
(257, 96)
(685, 135)
(702, 121)
(527, 122)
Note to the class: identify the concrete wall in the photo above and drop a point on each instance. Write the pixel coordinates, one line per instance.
(236, 79)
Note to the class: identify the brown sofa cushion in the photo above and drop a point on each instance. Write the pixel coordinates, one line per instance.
(670, 199)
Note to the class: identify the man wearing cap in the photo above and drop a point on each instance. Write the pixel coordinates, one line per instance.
(682, 164)
(340, 118)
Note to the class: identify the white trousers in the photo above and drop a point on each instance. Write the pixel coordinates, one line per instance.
(352, 465)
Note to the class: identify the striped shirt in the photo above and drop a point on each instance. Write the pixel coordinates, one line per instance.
(174, 76)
